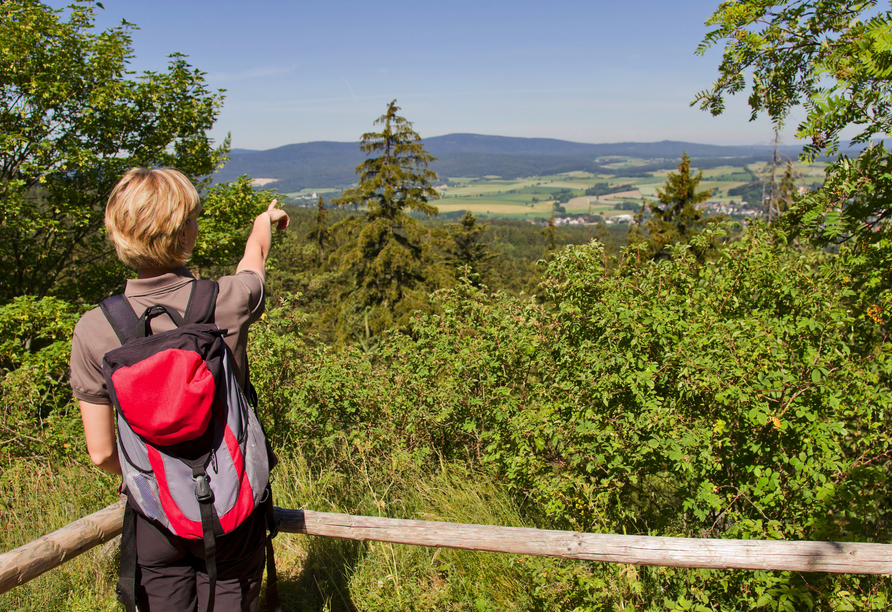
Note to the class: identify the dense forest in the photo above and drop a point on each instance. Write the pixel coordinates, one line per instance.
(684, 376)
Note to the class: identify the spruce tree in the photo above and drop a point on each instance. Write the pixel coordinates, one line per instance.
(387, 251)
(319, 232)
(786, 192)
(676, 217)
(550, 234)
(464, 250)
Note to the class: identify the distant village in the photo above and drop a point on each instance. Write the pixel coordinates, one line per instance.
(712, 207)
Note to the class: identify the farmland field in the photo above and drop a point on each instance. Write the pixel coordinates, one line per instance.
(535, 197)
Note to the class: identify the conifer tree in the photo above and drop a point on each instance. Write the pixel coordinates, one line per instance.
(387, 251)
(550, 233)
(675, 216)
(465, 252)
(787, 191)
(319, 232)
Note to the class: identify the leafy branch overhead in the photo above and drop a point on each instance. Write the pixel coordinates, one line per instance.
(834, 59)
(73, 119)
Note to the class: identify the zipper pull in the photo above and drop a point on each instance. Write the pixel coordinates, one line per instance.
(214, 460)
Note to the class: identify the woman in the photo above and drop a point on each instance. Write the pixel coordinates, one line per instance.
(152, 220)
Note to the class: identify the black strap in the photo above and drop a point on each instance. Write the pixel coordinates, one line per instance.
(202, 302)
(272, 588)
(126, 588)
(205, 498)
(144, 323)
(128, 326)
(121, 316)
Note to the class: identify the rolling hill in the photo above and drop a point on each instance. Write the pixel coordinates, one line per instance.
(333, 164)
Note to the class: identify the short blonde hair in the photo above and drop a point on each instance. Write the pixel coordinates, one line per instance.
(146, 212)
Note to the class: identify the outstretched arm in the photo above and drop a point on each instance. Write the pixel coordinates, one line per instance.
(260, 240)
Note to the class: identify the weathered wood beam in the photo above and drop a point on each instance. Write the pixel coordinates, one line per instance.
(27, 562)
(828, 557)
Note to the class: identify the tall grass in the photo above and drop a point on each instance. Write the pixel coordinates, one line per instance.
(315, 573)
(38, 497)
(334, 575)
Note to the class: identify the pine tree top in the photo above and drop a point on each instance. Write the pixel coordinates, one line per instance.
(397, 178)
(679, 196)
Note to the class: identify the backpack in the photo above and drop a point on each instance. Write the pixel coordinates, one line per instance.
(192, 450)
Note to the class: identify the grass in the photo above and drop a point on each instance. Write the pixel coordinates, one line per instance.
(329, 574)
(319, 574)
(37, 498)
(315, 573)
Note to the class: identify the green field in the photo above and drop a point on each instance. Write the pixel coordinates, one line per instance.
(531, 197)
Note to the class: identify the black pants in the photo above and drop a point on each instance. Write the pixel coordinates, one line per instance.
(171, 574)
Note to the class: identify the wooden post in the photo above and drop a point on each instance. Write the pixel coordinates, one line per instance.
(828, 557)
(24, 563)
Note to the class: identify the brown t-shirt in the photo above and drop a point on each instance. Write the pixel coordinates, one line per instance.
(239, 303)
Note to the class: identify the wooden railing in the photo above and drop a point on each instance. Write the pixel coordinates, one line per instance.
(29, 561)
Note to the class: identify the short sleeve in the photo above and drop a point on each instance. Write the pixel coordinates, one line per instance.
(91, 340)
(239, 304)
(251, 286)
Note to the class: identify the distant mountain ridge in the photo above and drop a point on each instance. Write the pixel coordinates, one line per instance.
(333, 164)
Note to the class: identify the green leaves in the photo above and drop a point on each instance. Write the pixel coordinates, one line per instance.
(35, 399)
(73, 119)
(834, 59)
(726, 399)
(790, 50)
(227, 213)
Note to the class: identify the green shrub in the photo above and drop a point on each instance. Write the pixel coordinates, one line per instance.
(745, 398)
(37, 413)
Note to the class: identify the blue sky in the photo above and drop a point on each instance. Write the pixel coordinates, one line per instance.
(588, 71)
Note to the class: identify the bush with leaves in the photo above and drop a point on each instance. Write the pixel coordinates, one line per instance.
(228, 211)
(37, 415)
(741, 398)
(832, 58)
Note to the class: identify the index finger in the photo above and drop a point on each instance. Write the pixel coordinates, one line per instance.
(272, 205)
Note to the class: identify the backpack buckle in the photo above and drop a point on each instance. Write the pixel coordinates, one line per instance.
(203, 491)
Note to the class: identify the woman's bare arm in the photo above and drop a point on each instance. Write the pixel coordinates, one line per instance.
(99, 428)
(260, 240)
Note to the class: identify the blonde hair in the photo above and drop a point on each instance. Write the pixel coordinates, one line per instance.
(145, 214)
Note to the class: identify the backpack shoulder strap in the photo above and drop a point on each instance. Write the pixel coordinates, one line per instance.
(121, 316)
(202, 302)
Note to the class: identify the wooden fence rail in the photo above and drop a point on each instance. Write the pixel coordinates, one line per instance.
(29, 561)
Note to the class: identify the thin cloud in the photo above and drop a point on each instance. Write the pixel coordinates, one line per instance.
(352, 94)
(291, 104)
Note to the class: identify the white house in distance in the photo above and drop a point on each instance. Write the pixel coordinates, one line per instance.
(620, 219)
